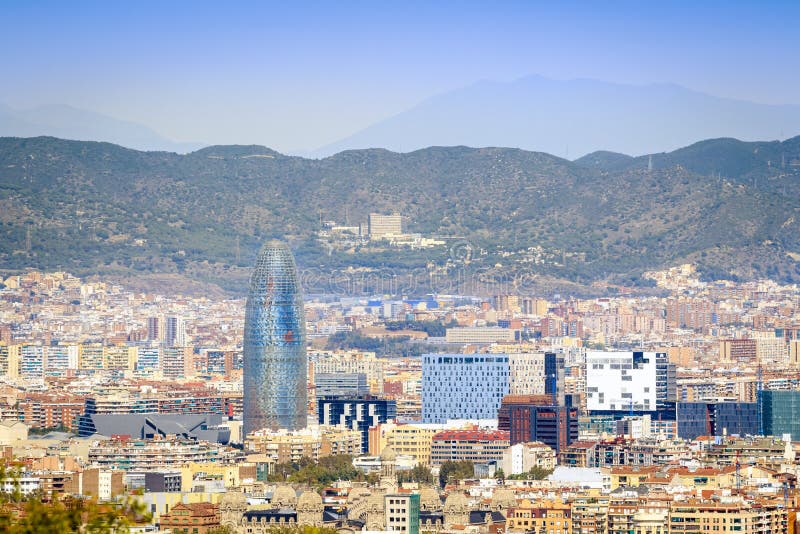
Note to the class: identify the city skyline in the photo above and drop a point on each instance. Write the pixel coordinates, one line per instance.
(400, 267)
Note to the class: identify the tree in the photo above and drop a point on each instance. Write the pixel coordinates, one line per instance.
(30, 514)
(455, 471)
(329, 469)
(539, 473)
(419, 473)
(70, 515)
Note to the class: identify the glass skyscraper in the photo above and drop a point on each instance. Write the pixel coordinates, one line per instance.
(275, 361)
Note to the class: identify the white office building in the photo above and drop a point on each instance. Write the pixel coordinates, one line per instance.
(628, 381)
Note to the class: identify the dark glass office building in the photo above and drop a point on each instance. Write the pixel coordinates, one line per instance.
(780, 413)
(356, 413)
(275, 361)
(536, 418)
(717, 418)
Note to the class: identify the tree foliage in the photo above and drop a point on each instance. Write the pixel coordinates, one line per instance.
(329, 469)
(451, 471)
(419, 473)
(33, 514)
(535, 473)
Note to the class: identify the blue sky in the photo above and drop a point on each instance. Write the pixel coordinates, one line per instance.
(298, 75)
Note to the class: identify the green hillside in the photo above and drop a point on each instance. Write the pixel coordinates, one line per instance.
(524, 218)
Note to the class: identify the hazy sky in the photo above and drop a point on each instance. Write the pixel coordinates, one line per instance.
(298, 75)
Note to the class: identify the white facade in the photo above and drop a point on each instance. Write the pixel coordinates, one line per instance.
(104, 485)
(523, 457)
(526, 373)
(399, 511)
(463, 386)
(621, 381)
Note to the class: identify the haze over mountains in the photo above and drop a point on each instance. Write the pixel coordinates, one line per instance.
(566, 118)
(95, 208)
(574, 117)
(68, 122)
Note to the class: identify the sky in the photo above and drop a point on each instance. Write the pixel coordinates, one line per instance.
(295, 76)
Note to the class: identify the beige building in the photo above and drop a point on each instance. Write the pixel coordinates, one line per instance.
(314, 442)
(741, 518)
(479, 335)
(383, 225)
(771, 350)
(11, 431)
(9, 361)
(406, 439)
(526, 373)
(552, 517)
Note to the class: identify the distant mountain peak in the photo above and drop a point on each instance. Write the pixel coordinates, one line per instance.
(570, 117)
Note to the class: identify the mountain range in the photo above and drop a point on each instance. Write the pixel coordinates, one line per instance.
(568, 118)
(573, 117)
(194, 222)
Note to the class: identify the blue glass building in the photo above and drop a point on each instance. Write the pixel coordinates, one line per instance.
(717, 418)
(275, 361)
(780, 413)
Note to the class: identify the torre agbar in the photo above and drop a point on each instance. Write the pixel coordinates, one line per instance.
(275, 361)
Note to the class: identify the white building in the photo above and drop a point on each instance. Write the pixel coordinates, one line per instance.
(523, 457)
(628, 381)
(401, 512)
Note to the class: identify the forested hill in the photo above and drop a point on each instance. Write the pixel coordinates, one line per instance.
(97, 208)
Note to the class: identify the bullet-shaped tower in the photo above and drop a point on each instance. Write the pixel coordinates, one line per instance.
(275, 361)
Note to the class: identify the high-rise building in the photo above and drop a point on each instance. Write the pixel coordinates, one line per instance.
(633, 382)
(31, 361)
(780, 413)
(356, 413)
(401, 512)
(275, 361)
(716, 418)
(175, 361)
(536, 374)
(536, 418)
(463, 386)
(174, 332)
(155, 328)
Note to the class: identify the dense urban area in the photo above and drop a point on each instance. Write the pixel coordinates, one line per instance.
(426, 413)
